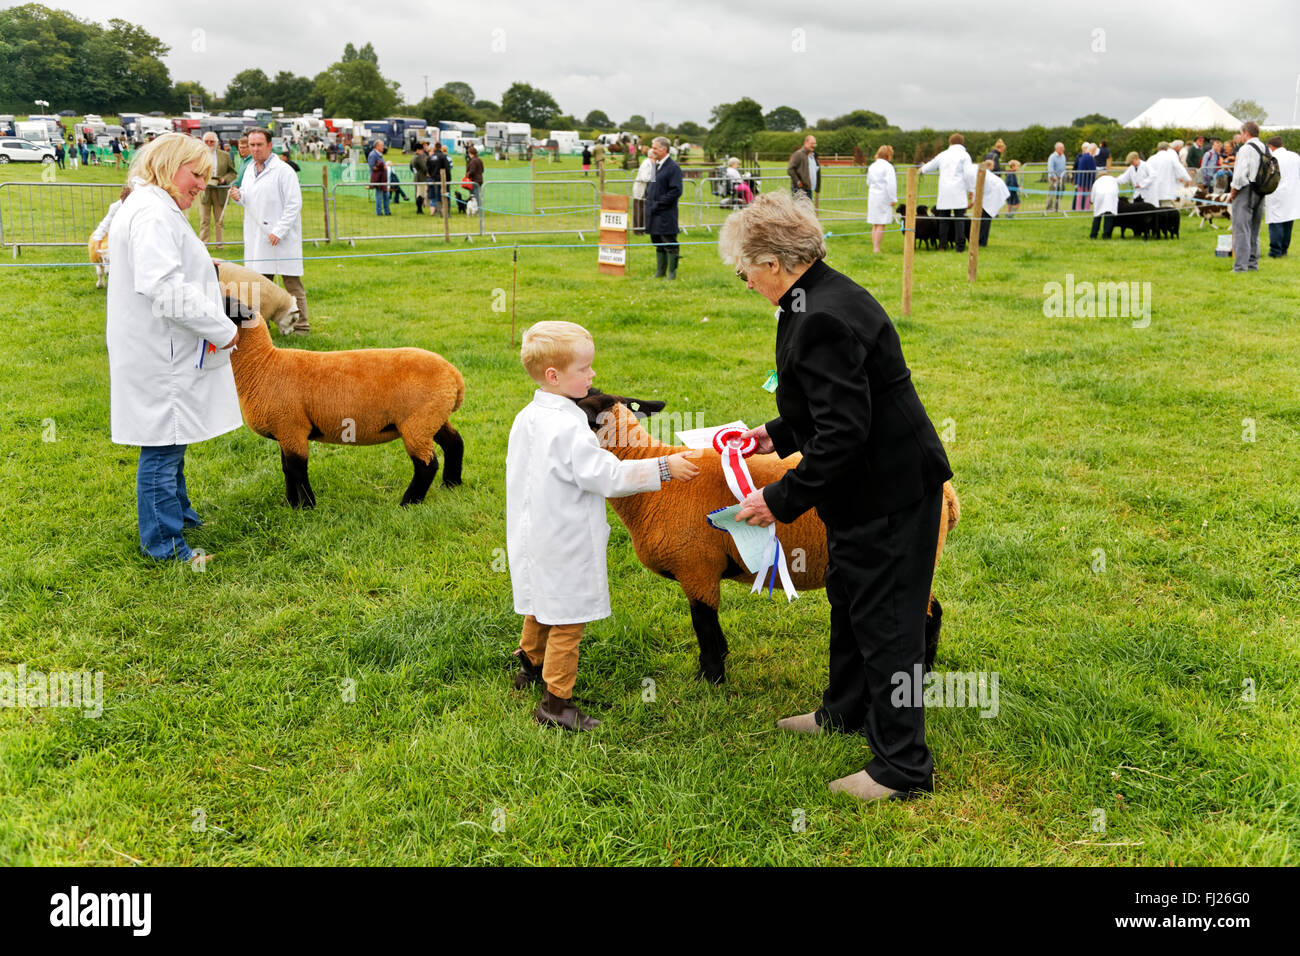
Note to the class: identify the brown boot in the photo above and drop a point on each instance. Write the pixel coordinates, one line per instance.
(528, 673)
(561, 712)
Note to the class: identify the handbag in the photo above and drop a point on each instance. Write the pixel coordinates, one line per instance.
(467, 183)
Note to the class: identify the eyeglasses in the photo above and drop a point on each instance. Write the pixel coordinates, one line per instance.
(742, 275)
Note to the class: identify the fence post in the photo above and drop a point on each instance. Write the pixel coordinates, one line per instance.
(446, 223)
(324, 197)
(977, 220)
(909, 239)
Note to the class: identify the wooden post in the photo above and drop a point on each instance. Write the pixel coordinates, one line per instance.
(973, 243)
(446, 223)
(909, 239)
(325, 197)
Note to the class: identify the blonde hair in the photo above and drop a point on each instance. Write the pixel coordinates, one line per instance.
(157, 162)
(551, 344)
(1130, 157)
(1013, 165)
(1000, 146)
(885, 152)
(774, 227)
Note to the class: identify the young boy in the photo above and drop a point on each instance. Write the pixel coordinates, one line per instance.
(557, 480)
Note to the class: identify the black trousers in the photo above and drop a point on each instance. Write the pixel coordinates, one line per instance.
(665, 241)
(950, 230)
(986, 221)
(1279, 238)
(878, 584)
(1106, 222)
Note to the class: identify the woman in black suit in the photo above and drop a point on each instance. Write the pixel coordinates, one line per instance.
(874, 469)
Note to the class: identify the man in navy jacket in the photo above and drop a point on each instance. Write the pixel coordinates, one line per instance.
(661, 208)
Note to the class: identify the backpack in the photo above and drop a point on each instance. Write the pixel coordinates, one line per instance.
(1269, 173)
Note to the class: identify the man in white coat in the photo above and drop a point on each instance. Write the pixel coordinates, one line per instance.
(272, 201)
(1105, 205)
(170, 382)
(952, 200)
(995, 195)
(1166, 171)
(1138, 175)
(1282, 206)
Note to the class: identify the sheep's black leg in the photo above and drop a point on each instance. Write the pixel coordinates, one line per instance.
(933, 621)
(420, 481)
(296, 486)
(713, 643)
(453, 454)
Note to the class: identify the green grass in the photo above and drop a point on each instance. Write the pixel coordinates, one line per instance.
(1119, 690)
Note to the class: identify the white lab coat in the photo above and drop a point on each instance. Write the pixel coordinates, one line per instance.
(163, 300)
(557, 480)
(1283, 204)
(1139, 177)
(996, 192)
(1105, 196)
(1166, 173)
(951, 164)
(645, 175)
(882, 192)
(272, 204)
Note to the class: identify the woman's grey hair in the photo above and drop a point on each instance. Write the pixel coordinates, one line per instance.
(660, 141)
(775, 227)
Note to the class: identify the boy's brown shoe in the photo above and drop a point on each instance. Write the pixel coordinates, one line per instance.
(529, 673)
(561, 712)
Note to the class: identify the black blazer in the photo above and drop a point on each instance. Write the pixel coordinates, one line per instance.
(661, 199)
(846, 401)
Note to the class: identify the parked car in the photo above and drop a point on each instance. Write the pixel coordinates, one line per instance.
(25, 151)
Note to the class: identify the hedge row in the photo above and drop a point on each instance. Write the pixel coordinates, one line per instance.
(1030, 145)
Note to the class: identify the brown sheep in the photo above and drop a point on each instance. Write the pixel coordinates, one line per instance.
(358, 397)
(672, 537)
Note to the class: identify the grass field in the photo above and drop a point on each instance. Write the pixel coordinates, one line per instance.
(1126, 563)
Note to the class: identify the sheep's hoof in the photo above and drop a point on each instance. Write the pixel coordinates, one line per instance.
(451, 482)
(714, 675)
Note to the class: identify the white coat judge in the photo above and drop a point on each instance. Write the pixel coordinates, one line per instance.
(882, 189)
(1283, 204)
(1166, 171)
(1137, 175)
(996, 192)
(170, 381)
(272, 201)
(952, 199)
(1105, 196)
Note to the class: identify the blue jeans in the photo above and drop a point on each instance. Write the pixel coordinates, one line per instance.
(381, 202)
(162, 504)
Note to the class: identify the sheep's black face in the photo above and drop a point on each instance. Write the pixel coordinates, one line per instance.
(596, 403)
(237, 310)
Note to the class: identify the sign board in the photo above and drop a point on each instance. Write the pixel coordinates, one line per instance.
(611, 258)
(609, 219)
(196, 103)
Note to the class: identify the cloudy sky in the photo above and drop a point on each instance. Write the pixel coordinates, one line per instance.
(939, 63)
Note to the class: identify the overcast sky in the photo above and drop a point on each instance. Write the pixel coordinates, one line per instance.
(939, 64)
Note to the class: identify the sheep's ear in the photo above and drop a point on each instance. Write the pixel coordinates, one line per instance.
(595, 404)
(642, 408)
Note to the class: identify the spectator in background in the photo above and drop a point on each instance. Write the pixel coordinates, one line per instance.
(1102, 156)
(1195, 152)
(953, 197)
(117, 153)
(59, 154)
(598, 158)
(737, 181)
(586, 160)
(212, 204)
(395, 184)
(1282, 206)
(379, 178)
(474, 173)
(272, 201)
(420, 171)
(661, 208)
(1055, 177)
(645, 174)
(1105, 205)
(995, 154)
(242, 147)
(802, 168)
(882, 194)
(1227, 160)
(1210, 163)
(286, 158)
(439, 167)
(1085, 171)
(1013, 188)
(1247, 205)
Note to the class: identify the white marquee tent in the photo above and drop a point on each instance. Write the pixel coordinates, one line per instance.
(1194, 112)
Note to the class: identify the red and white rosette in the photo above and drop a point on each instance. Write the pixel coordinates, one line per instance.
(734, 450)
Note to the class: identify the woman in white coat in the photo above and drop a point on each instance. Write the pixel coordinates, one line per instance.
(170, 382)
(994, 198)
(882, 194)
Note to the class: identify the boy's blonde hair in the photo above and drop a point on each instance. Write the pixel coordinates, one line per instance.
(158, 161)
(551, 344)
